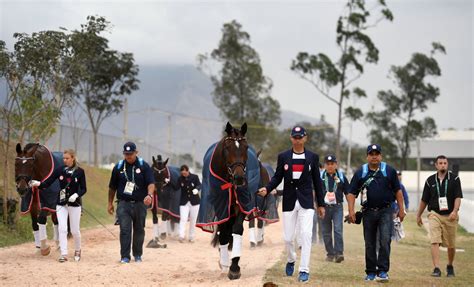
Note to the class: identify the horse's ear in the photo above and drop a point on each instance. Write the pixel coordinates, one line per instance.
(229, 128)
(258, 153)
(243, 129)
(18, 148)
(166, 161)
(153, 159)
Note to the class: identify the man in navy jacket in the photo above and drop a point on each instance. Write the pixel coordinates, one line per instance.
(299, 168)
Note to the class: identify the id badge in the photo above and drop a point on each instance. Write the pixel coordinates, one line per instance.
(330, 198)
(443, 203)
(62, 195)
(364, 196)
(129, 187)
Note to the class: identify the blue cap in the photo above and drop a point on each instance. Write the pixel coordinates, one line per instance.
(129, 147)
(374, 147)
(298, 131)
(330, 158)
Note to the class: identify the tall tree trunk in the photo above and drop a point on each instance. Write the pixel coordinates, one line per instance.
(96, 154)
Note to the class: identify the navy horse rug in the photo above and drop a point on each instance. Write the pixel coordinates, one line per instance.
(216, 193)
(170, 196)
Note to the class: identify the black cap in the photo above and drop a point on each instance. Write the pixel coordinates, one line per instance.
(330, 158)
(129, 147)
(298, 131)
(374, 147)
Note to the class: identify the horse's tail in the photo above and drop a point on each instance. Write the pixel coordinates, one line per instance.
(215, 240)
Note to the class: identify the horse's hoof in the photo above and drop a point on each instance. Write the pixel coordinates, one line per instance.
(162, 245)
(260, 243)
(46, 251)
(151, 244)
(252, 245)
(163, 236)
(233, 275)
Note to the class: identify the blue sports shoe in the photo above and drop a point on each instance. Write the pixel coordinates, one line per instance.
(138, 259)
(290, 268)
(125, 260)
(303, 277)
(370, 277)
(382, 277)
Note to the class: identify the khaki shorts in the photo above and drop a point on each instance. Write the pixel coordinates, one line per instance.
(442, 230)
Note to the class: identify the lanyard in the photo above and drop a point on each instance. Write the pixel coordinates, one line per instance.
(445, 186)
(125, 172)
(326, 183)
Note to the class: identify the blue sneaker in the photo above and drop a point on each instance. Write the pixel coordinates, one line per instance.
(370, 277)
(138, 259)
(382, 277)
(290, 268)
(125, 260)
(303, 277)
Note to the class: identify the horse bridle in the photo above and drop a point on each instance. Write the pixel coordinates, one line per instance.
(231, 167)
(160, 170)
(24, 160)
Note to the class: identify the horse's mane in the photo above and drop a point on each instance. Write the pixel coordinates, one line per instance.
(29, 146)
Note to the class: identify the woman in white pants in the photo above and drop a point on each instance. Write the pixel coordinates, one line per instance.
(72, 181)
(189, 202)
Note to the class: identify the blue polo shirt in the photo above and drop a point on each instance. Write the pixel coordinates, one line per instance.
(139, 171)
(382, 189)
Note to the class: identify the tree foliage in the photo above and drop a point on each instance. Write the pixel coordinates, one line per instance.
(397, 124)
(241, 90)
(356, 50)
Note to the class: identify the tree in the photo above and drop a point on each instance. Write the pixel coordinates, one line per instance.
(356, 49)
(397, 124)
(241, 91)
(38, 86)
(105, 76)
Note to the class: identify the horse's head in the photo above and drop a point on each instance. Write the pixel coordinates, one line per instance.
(24, 166)
(235, 153)
(160, 171)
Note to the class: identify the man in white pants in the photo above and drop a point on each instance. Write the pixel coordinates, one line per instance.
(300, 169)
(189, 203)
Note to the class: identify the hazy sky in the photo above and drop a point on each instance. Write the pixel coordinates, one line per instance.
(174, 32)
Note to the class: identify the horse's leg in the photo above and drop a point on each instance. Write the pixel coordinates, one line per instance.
(223, 235)
(252, 236)
(34, 225)
(54, 218)
(154, 243)
(237, 231)
(45, 248)
(260, 232)
(164, 225)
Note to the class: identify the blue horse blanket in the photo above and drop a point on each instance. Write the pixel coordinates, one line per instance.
(270, 206)
(47, 197)
(168, 199)
(216, 193)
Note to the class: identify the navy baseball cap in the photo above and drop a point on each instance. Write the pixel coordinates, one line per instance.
(129, 147)
(374, 147)
(298, 131)
(330, 158)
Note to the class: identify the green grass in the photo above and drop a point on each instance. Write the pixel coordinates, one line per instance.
(94, 202)
(410, 262)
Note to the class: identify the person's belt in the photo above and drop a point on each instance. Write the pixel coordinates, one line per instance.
(334, 205)
(377, 208)
(129, 200)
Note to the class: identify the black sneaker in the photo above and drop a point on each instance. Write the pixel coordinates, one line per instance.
(339, 258)
(329, 258)
(450, 271)
(436, 272)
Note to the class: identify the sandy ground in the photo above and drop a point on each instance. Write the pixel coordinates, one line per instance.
(181, 264)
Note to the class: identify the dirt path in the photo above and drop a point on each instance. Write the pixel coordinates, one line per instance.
(181, 264)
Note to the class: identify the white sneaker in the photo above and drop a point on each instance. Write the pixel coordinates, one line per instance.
(77, 255)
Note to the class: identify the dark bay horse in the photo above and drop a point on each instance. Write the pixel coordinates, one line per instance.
(230, 179)
(166, 199)
(36, 162)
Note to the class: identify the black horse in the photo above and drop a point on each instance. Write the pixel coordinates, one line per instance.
(164, 200)
(230, 178)
(36, 162)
